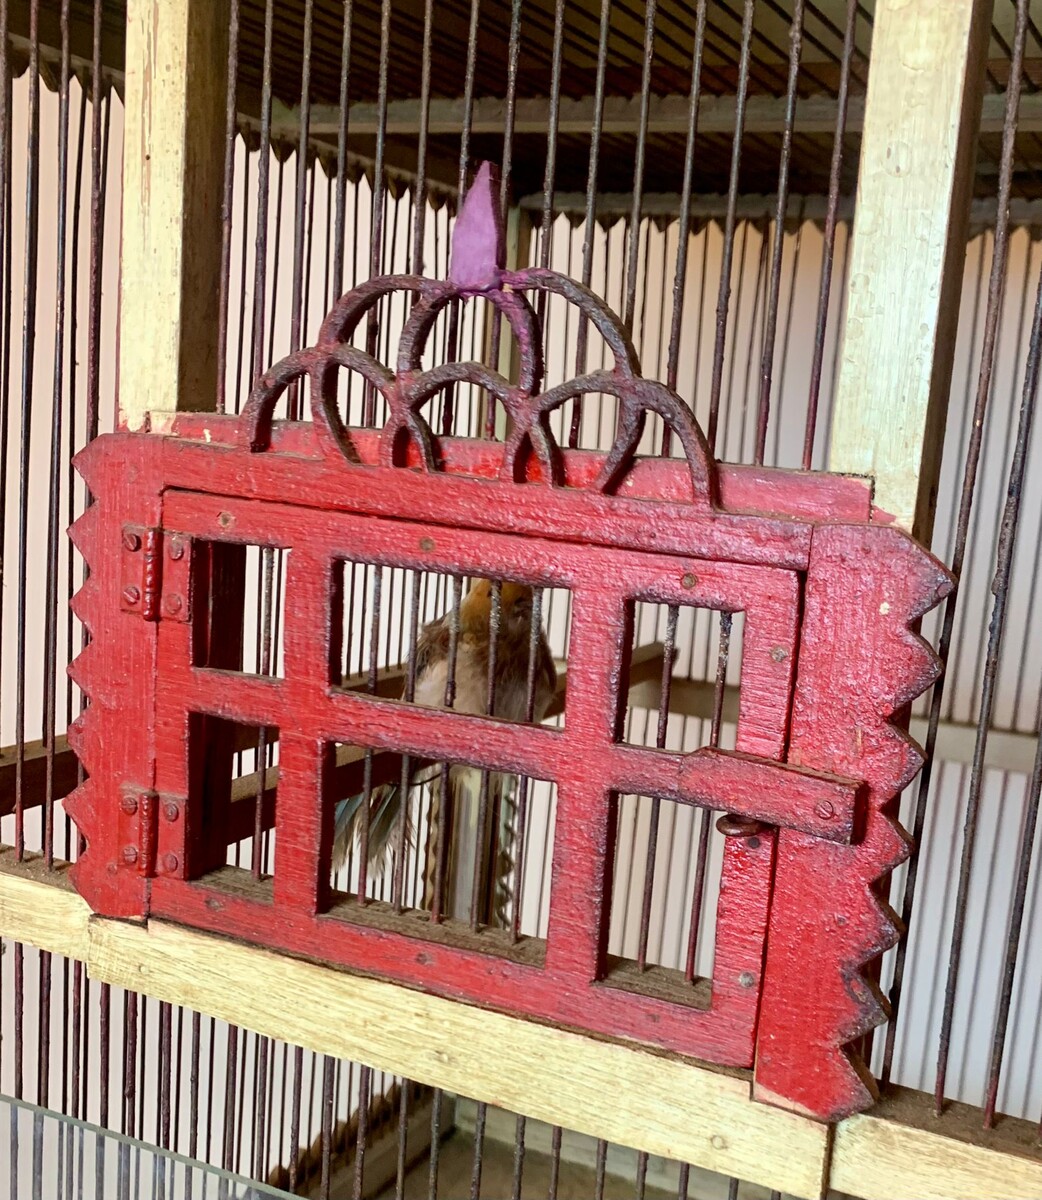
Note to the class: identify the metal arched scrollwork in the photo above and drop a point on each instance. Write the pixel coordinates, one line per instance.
(476, 271)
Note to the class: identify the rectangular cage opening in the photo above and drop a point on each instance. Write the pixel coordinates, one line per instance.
(661, 934)
(685, 666)
(232, 784)
(430, 638)
(238, 601)
(441, 849)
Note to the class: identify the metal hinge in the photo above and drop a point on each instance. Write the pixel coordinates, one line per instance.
(146, 819)
(156, 574)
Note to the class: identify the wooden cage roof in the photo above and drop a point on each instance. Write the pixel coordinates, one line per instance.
(821, 62)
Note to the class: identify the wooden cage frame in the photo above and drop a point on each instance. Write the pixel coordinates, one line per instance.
(921, 120)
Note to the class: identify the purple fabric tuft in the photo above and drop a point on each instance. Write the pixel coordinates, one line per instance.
(477, 241)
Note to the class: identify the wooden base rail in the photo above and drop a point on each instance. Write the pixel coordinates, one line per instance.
(657, 1103)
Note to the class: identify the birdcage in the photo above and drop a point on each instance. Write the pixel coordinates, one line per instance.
(519, 545)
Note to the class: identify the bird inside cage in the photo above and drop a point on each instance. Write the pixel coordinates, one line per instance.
(496, 662)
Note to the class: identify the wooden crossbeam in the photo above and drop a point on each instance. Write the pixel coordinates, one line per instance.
(1007, 750)
(666, 115)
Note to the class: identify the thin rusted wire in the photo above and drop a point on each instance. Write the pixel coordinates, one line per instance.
(650, 12)
(1000, 589)
(590, 223)
(828, 249)
(513, 53)
(230, 126)
(29, 296)
(996, 286)
(684, 224)
(771, 322)
(54, 498)
(724, 293)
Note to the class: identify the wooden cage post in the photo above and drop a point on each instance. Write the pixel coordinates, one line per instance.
(173, 175)
(922, 117)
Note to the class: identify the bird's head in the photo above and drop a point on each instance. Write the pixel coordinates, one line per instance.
(515, 607)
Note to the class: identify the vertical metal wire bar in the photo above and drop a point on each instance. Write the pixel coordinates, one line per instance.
(409, 695)
(642, 1175)
(484, 863)
(702, 853)
(668, 646)
(403, 1140)
(724, 294)
(341, 150)
(650, 13)
(130, 1041)
(435, 1155)
(32, 219)
(1013, 933)
(682, 1181)
(519, 1158)
(231, 1071)
(996, 629)
(379, 199)
(534, 640)
(444, 815)
(513, 51)
(98, 163)
(300, 202)
(790, 307)
(590, 219)
(230, 125)
(420, 186)
(260, 266)
(195, 1057)
(166, 1050)
(600, 1169)
(448, 414)
(6, 211)
(550, 169)
(771, 316)
(828, 250)
(372, 682)
(479, 1151)
(57, 407)
(365, 1079)
(996, 282)
(328, 1077)
(684, 224)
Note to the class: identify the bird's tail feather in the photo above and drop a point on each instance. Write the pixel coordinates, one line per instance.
(385, 806)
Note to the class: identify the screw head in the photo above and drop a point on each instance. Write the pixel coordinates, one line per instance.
(173, 604)
(779, 654)
(177, 548)
(129, 805)
(224, 519)
(747, 979)
(825, 810)
(171, 811)
(131, 594)
(689, 579)
(131, 541)
(170, 862)
(427, 544)
(129, 855)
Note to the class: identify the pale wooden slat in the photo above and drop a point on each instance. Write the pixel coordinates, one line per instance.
(654, 1103)
(922, 113)
(902, 1149)
(173, 173)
